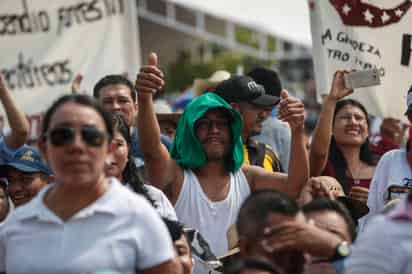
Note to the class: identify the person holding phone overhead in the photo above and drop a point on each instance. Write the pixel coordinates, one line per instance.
(394, 169)
(340, 145)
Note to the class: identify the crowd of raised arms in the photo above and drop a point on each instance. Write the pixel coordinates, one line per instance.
(112, 185)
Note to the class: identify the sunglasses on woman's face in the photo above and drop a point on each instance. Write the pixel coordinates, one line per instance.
(91, 136)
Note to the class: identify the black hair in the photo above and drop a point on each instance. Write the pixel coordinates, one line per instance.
(3, 171)
(251, 263)
(81, 99)
(335, 154)
(131, 174)
(114, 79)
(324, 204)
(268, 78)
(257, 207)
(3, 185)
(175, 228)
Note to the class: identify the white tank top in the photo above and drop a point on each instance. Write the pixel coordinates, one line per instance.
(212, 219)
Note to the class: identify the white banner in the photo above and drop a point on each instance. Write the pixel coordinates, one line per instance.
(365, 34)
(45, 43)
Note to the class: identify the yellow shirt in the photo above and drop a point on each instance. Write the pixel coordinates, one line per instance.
(270, 161)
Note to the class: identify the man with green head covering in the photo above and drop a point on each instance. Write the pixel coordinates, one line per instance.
(203, 176)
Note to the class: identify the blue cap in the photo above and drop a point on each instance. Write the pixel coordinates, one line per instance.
(28, 159)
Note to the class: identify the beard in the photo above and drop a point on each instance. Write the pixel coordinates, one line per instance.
(215, 155)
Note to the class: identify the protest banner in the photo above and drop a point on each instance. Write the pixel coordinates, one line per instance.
(44, 44)
(361, 35)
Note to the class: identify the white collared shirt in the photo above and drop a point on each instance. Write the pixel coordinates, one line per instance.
(385, 247)
(119, 232)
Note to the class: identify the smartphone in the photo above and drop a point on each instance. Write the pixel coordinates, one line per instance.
(362, 79)
(398, 192)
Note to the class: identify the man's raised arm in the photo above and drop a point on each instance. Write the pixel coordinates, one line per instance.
(18, 122)
(160, 167)
(292, 111)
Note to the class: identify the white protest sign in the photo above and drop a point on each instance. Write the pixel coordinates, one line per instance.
(44, 44)
(360, 34)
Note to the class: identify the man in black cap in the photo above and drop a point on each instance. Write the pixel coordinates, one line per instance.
(275, 133)
(255, 105)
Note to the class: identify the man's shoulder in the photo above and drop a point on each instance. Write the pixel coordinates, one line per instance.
(394, 154)
(250, 171)
(118, 190)
(273, 123)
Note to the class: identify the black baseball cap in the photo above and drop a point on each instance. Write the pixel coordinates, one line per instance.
(244, 89)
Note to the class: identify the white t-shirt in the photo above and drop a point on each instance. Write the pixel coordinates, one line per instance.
(119, 232)
(211, 219)
(163, 205)
(392, 169)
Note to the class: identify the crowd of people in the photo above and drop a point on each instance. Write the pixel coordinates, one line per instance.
(115, 186)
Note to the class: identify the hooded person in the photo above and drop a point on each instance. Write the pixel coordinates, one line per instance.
(203, 176)
(187, 149)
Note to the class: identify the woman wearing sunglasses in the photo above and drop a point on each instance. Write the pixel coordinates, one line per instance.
(84, 222)
(120, 164)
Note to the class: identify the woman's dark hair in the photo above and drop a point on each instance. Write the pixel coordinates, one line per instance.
(80, 99)
(131, 174)
(335, 154)
(324, 204)
(3, 185)
(175, 228)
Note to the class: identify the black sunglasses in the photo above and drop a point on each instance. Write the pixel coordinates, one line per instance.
(91, 136)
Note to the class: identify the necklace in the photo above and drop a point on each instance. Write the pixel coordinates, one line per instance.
(356, 179)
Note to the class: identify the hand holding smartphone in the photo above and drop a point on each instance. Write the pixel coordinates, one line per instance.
(362, 79)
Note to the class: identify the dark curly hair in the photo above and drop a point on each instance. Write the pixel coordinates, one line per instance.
(131, 174)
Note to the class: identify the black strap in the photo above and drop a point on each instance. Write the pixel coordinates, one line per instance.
(276, 164)
(256, 153)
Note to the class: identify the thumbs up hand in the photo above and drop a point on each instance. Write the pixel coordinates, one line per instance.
(76, 84)
(291, 110)
(150, 78)
(3, 88)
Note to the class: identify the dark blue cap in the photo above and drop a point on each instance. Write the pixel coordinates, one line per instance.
(28, 159)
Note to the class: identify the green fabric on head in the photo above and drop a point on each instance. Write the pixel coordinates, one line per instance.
(187, 150)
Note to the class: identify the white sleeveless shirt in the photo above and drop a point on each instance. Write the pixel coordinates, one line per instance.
(212, 219)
